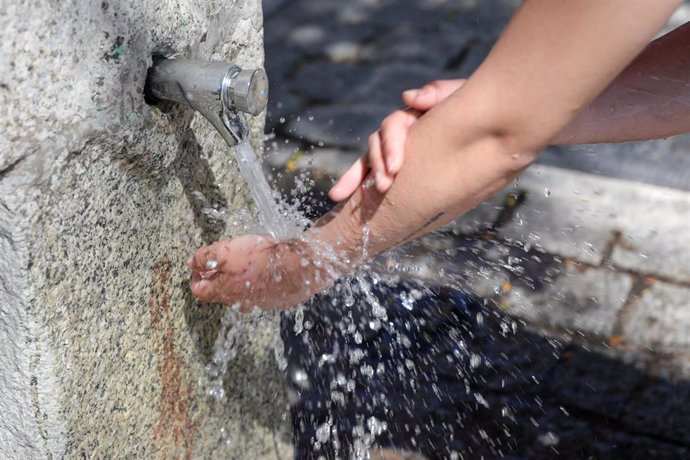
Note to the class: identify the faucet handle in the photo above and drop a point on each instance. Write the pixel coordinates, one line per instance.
(246, 90)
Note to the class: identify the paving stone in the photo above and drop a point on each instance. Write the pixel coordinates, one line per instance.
(560, 436)
(594, 382)
(425, 16)
(665, 163)
(672, 368)
(485, 19)
(583, 211)
(438, 51)
(655, 225)
(578, 300)
(271, 6)
(329, 82)
(565, 213)
(662, 409)
(311, 29)
(332, 162)
(387, 82)
(343, 51)
(660, 318)
(338, 126)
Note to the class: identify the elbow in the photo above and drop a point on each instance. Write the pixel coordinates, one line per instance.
(514, 151)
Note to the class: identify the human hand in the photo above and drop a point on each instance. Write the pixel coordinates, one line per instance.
(425, 98)
(386, 147)
(256, 271)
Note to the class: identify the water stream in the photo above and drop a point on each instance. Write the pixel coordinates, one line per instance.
(270, 217)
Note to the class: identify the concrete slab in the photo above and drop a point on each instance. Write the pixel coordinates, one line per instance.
(577, 300)
(660, 319)
(655, 232)
(576, 215)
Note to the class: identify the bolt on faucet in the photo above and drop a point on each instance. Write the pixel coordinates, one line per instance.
(218, 90)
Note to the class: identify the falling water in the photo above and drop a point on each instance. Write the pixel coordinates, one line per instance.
(270, 217)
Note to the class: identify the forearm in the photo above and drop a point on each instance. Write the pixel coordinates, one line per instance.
(553, 59)
(650, 99)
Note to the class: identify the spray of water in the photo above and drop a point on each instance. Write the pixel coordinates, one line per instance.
(360, 356)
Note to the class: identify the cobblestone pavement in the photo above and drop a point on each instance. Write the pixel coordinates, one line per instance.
(587, 253)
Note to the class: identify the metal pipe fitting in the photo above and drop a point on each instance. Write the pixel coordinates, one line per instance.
(218, 90)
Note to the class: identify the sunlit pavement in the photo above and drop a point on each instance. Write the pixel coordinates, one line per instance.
(588, 252)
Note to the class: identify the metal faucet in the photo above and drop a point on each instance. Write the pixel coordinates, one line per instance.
(218, 90)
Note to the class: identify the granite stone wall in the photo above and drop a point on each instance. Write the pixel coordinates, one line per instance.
(102, 200)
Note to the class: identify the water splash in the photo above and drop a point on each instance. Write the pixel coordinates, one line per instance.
(387, 303)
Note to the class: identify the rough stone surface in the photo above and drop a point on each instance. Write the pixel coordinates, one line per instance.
(18, 426)
(103, 351)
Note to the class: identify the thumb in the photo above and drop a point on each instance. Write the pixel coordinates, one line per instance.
(429, 95)
(203, 260)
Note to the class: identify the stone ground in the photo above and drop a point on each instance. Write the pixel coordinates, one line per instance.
(587, 253)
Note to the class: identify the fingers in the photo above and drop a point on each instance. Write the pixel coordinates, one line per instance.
(372, 161)
(384, 157)
(202, 289)
(204, 259)
(349, 182)
(393, 136)
(429, 95)
(382, 179)
(376, 163)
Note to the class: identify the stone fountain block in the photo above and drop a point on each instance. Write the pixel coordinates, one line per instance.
(102, 348)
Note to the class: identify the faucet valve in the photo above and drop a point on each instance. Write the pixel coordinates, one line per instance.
(216, 89)
(246, 90)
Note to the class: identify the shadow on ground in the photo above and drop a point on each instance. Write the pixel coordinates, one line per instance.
(454, 378)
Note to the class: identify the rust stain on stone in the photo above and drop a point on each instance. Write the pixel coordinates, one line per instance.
(175, 430)
(159, 302)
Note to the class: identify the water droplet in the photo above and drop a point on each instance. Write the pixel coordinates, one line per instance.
(299, 320)
(323, 433)
(547, 192)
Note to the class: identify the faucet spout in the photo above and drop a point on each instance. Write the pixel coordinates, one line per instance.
(219, 91)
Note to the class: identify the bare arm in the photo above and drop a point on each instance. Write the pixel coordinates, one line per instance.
(650, 99)
(552, 60)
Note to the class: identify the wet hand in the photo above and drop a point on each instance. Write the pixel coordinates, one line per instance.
(386, 147)
(383, 158)
(254, 271)
(428, 96)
